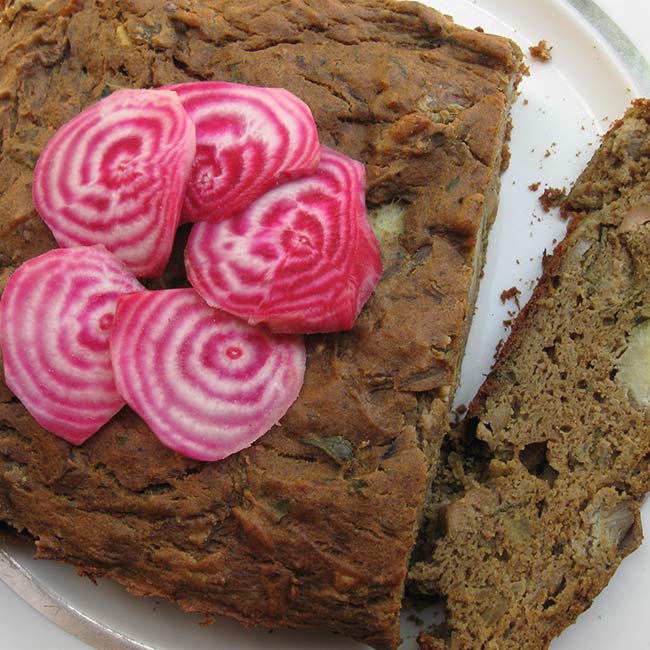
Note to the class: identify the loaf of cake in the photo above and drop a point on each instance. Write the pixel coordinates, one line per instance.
(313, 525)
(537, 498)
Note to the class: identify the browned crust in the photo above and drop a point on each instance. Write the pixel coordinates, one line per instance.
(313, 525)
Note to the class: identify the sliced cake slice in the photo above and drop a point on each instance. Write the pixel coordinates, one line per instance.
(313, 525)
(537, 499)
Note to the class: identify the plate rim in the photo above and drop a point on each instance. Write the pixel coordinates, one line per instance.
(633, 60)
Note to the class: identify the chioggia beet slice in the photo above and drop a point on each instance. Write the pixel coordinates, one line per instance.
(207, 383)
(56, 314)
(248, 139)
(116, 175)
(302, 258)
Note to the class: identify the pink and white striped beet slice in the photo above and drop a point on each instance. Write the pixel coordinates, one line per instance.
(248, 139)
(116, 175)
(302, 258)
(207, 383)
(56, 313)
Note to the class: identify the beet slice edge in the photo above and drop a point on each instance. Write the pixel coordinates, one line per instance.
(207, 383)
(302, 258)
(116, 175)
(56, 314)
(249, 139)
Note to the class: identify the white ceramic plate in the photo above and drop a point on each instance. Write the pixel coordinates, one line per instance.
(564, 106)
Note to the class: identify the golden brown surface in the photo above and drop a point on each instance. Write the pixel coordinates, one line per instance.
(314, 524)
(537, 500)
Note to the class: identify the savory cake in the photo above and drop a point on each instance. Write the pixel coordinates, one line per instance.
(314, 524)
(538, 495)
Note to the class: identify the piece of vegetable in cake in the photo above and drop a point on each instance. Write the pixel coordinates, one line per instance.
(207, 383)
(633, 366)
(56, 314)
(249, 140)
(302, 258)
(116, 175)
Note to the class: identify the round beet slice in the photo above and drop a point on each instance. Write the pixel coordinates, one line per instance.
(56, 314)
(207, 383)
(116, 175)
(302, 258)
(248, 139)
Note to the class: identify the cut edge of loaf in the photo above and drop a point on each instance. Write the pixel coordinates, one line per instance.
(537, 499)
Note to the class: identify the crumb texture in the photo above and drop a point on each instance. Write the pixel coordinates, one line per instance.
(314, 524)
(541, 51)
(537, 500)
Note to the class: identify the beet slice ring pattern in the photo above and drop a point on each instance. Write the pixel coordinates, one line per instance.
(207, 383)
(56, 313)
(116, 175)
(248, 139)
(302, 258)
